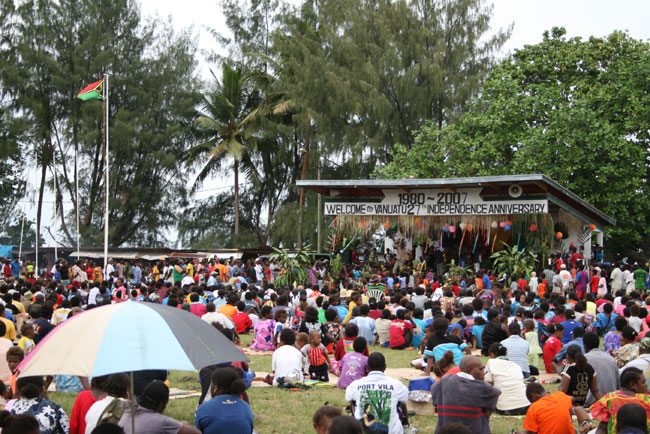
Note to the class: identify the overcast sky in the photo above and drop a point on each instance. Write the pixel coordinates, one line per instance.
(530, 19)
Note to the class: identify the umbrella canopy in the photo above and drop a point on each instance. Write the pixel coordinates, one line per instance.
(129, 336)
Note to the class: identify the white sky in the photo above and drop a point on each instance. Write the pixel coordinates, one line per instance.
(530, 18)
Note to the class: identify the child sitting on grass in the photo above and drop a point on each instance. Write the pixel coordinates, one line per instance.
(421, 362)
(302, 340)
(534, 349)
(353, 365)
(286, 362)
(280, 320)
(264, 331)
(333, 328)
(345, 345)
(477, 332)
(27, 341)
(319, 361)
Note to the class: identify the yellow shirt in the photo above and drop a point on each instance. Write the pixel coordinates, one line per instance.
(11, 329)
(349, 315)
(155, 273)
(97, 274)
(591, 308)
(19, 305)
(26, 344)
(190, 269)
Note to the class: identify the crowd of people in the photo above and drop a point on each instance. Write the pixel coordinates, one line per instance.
(582, 326)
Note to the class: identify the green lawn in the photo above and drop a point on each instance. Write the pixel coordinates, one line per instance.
(281, 411)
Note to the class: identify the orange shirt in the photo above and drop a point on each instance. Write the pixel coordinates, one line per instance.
(541, 290)
(550, 415)
(12, 382)
(224, 272)
(228, 309)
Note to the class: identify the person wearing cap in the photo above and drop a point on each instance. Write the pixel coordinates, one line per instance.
(374, 284)
(27, 300)
(565, 278)
(148, 417)
(643, 361)
(212, 280)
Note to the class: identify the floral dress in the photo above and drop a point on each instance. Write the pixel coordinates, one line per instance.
(626, 354)
(264, 336)
(50, 416)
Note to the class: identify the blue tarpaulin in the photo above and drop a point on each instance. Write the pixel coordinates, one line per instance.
(5, 251)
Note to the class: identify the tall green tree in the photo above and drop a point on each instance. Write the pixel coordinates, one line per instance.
(372, 71)
(222, 118)
(575, 110)
(61, 46)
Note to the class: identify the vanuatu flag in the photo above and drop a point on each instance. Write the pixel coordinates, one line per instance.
(92, 91)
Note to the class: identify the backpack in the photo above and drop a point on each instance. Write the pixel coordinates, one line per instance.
(113, 413)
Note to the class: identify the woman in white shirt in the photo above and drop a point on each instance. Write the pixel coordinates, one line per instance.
(508, 378)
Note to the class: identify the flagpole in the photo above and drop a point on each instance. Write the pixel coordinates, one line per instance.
(22, 225)
(56, 196)
(106, 109)
(76, 180)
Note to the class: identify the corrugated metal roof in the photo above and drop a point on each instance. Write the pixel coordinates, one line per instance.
(320, 185)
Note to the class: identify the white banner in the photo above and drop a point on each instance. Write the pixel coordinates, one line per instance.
(464, 201)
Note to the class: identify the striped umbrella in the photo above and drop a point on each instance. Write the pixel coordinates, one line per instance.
(130, 336)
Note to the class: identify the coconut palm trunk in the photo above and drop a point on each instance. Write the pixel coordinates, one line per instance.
(236, 166)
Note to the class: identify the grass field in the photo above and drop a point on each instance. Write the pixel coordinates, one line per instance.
(280, 411)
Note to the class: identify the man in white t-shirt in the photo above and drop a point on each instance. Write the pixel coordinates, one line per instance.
(376, 398)
(110, 269)
(187, 281)
(286, 363)
(565, 277)
(617, 279)
(212, 316)
(259, 271)
(92, 295)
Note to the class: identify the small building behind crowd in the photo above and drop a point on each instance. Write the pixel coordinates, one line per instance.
(143, 254)
(461, 217)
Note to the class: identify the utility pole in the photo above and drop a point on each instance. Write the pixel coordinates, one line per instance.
(301, 210)
(320, 214)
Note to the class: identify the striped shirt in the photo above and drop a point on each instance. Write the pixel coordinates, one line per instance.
(461, 398)
(517, 352)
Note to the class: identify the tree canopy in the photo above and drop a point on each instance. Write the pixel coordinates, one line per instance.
(575, 110)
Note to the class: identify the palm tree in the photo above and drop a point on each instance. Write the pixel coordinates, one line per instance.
(223, 118)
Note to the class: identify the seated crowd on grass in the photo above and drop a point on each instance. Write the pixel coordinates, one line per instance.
(583, 328)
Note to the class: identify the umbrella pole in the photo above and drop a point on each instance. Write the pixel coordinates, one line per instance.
(132, 403)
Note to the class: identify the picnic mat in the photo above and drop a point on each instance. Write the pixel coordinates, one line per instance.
(178, 393)
(250, 352)
(405, 373)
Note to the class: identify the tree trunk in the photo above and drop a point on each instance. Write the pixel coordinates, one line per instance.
(236, 166)
(40, 202)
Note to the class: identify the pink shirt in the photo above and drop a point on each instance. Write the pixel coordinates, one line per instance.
(198, 309)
